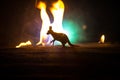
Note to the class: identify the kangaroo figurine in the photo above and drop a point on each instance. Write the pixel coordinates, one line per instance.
(63, 38)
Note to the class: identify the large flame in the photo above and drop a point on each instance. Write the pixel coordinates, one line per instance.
(45, 23)
(24, 44)
(102, 39)
(57, 11)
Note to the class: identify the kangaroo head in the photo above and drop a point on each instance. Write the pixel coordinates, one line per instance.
(50, 31)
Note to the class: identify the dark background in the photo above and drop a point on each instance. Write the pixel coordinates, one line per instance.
(20, 20)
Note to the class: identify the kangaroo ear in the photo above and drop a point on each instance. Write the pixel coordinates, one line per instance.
(50, 27)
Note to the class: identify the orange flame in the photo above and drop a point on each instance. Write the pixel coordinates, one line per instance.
(102, 39)
(45, 23)
(24, 44)
(57, 11)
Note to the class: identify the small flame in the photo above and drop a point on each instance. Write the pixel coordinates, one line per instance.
(41, 5)
(24, 44)
(102, 39)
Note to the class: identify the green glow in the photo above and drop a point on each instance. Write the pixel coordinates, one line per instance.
(74, 31)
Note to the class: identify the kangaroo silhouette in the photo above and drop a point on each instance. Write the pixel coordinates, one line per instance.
(63, 38)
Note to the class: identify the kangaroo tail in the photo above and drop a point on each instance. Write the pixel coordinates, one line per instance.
(70, 43)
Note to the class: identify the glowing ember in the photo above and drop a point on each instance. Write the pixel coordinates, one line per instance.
(57, 11)
(102, 39)
(24, 44)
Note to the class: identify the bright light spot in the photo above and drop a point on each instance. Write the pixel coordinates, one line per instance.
(84, 27)
(24, 44)
(102, 39)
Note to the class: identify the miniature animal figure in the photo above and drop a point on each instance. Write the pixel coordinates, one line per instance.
(63, 38)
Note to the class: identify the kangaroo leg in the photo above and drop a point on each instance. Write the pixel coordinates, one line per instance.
(63, 44)
(52, 42)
